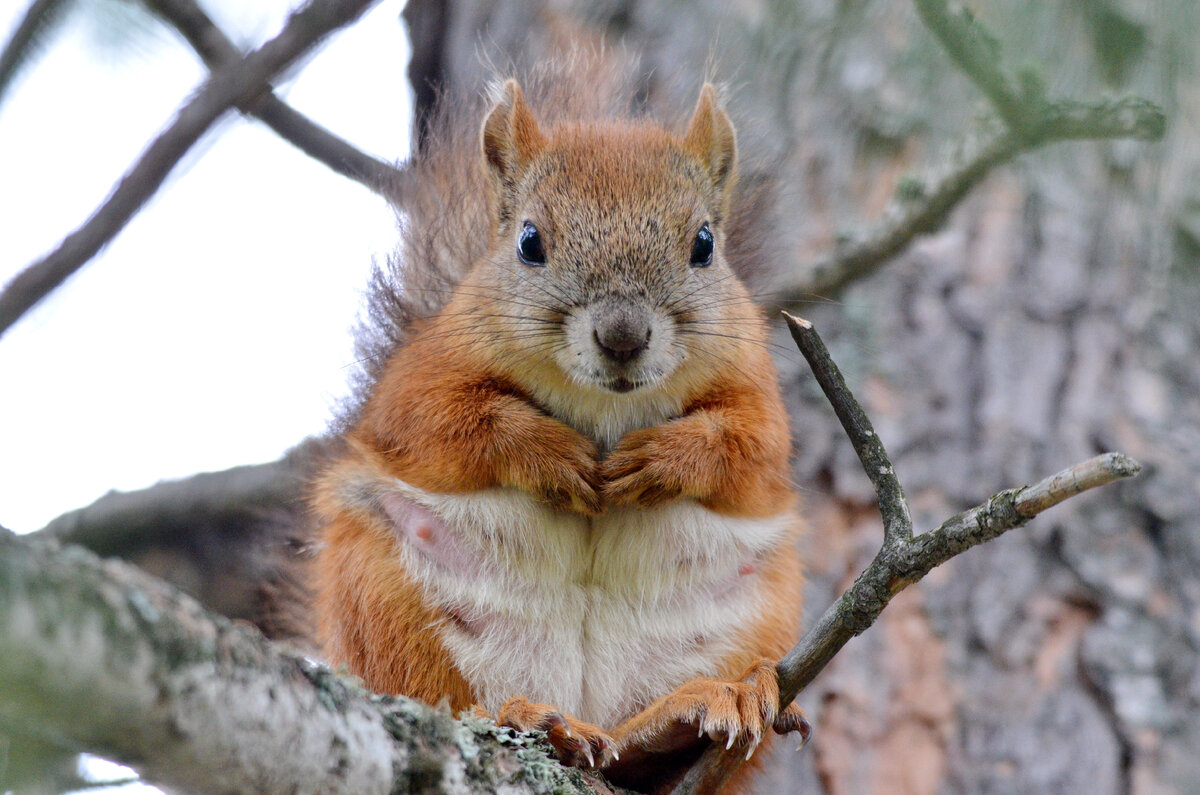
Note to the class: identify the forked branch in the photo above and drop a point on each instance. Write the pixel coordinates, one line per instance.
(1128, 117)
(233, 85)
(217, 51)
(1028, 119)
(903, 559)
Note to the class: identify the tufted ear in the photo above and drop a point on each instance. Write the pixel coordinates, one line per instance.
(510, 135)
(711, 138)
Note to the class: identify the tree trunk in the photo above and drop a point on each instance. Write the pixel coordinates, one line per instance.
(1052, 318)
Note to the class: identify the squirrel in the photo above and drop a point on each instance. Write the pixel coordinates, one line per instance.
(564, 500)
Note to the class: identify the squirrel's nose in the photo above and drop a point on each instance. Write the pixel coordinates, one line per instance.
(622, 336)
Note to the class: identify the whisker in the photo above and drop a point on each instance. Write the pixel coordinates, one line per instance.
(566, 300)
(491, 297)
(765, 344)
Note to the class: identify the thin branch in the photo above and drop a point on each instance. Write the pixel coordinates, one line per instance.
(1004, 511)
(897, 523)
(900, 562)
(1129, 117)
(217, 50)
(226, 88)
(98, 655)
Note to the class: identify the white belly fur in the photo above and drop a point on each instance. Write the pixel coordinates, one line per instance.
(597, 617)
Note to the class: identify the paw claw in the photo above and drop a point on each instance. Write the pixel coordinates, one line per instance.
(574, 742)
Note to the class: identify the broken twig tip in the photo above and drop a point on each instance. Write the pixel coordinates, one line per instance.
(1124, 465)
(792, 320)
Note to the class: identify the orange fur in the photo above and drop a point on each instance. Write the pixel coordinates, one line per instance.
(373, 619)
(729, 451)
(481, 399)
(483, 427)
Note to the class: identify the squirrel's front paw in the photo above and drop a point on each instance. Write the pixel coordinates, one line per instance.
(573, 483)
(733, 713)
(577, 744)
(561, 469)
(644, 471)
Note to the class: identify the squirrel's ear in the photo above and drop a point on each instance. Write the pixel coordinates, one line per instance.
(710, 137)
(510, 134)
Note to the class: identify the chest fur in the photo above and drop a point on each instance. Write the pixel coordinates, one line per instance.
(596, 616)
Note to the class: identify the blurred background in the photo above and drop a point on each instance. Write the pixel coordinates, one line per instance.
(1053, 317)
(215, 330)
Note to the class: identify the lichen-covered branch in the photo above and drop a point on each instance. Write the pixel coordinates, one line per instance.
(1129, 117)
(1030, 120)
(99, 656)
(216, 50)
(230, 86)
(894, 569)
(902, 559)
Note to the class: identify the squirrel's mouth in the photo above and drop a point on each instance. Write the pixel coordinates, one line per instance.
(622, 385)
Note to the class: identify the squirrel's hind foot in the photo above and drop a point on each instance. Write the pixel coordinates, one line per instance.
(577, 744)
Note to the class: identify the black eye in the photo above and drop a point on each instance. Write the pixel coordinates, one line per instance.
(529, 246)
(702, 249)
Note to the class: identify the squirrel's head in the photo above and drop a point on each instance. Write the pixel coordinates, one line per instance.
(607, 244)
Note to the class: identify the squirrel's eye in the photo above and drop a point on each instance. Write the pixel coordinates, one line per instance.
(702, 249)
(529, 246)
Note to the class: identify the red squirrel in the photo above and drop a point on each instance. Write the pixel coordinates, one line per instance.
(565, 500)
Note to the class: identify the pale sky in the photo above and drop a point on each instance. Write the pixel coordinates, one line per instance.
(214, 331)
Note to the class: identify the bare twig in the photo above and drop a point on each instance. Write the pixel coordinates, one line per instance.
(897, 523)
(1129, 117)
(228, 87)
(101, 656)
(901, 560)
(217, 51)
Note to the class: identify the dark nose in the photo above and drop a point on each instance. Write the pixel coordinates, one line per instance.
(621, 331)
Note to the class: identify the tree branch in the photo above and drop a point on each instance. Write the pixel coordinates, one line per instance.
(100, 656)
(121, 522)
(977, 53)
(228, 87)
(1030, 121)
(1130, 117)
(902, 560)
(897, 523)
(217, 51)
(37, 20)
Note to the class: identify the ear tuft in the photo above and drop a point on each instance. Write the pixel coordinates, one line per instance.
(510, 134)
(710, 136)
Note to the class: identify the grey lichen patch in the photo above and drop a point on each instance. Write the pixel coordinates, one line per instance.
(910, 188)
(336, 690)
